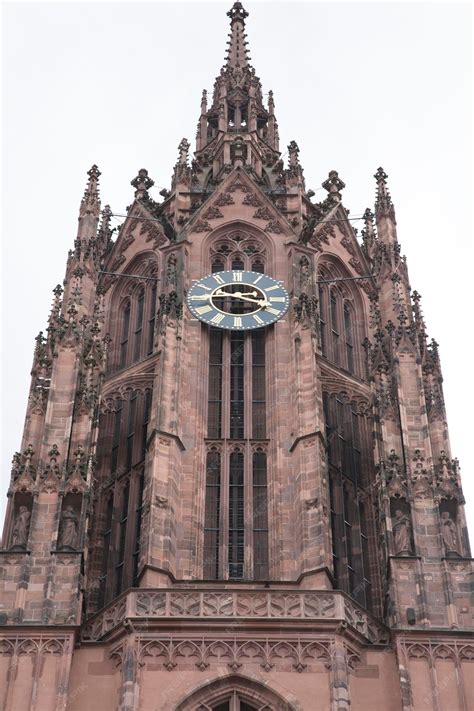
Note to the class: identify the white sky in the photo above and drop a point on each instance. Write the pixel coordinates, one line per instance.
(357, 85)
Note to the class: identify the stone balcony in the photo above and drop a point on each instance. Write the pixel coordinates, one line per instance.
(162, 609)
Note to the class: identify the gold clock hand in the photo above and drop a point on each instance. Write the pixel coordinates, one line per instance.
(239, 295)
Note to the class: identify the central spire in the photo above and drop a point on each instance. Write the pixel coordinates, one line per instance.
(237, 52)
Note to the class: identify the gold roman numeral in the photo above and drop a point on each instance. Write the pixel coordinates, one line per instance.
(258, 319)
(237, 276)
(257, 279)
(203, 310)
(271, 310)
(277, 299)
(217, 318)
(219, 279)
(237, 322)
(272, 288)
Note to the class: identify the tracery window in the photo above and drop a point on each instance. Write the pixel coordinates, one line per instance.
(135, 326)
(235, 516)
(351, 520)
(338, 326)
(121, 453)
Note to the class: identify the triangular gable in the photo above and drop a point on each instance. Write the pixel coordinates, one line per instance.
(238, 197)
(139, 223)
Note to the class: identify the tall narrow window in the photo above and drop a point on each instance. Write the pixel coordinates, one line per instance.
(322, 321)
(349, 519)
(145, 421)
(119, 568)
(151, 322)
(236, 515)
(237, 385)
(109, 509)
(138, 524)
(212, 515)
(260, 516)
(333, 304)
(132, 408)
(124, 335)
(258, 385)
(137, 348)
(348, 338)
(116, 439)
(214, 423)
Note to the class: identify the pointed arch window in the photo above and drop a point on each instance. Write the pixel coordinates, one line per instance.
(351, 516)
(338, 326)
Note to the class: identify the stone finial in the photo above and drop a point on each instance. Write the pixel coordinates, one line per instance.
(334, 185)
(293, 153)
(142, 183)
(204, 101)
(183, 149)
(368, 233)
(237, 11)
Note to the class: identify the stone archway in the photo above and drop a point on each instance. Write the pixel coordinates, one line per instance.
(234, 693)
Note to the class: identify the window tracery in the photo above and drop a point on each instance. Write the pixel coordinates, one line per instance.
(236, 522)
(340, 321)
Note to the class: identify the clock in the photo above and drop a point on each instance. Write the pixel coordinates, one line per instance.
(238, 300)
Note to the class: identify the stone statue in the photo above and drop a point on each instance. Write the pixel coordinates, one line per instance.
(449, 533)
(21, 528)
(402, 533)
(69, 525)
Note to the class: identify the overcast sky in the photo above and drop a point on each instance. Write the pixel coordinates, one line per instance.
(357, 85)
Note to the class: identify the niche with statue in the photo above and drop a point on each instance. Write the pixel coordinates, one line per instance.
(402, 529)
(448, 512)
(22, 508)
(69, 529)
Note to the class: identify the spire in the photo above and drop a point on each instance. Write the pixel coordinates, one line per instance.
(383, 202)
(237, 52)
(90, 203)
(384, 210)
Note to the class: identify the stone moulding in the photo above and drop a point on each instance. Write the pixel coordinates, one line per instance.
(235, 607)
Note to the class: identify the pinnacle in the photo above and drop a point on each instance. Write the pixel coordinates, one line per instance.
(237, 53)
(383, 201)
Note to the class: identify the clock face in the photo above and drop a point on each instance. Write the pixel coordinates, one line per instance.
(238, 300)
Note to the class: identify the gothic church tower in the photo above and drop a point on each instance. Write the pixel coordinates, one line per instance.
(235, 488)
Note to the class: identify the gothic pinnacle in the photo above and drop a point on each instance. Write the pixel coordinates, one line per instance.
(383, 201)
(90, 202)
(237, 51)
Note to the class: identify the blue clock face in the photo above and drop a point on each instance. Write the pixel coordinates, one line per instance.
(238, 300)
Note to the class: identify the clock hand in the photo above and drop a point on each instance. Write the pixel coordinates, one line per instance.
(239, 295)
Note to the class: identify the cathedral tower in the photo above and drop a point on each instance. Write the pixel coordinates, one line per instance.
(235, 488)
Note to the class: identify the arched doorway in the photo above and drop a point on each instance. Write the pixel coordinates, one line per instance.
(234, 693)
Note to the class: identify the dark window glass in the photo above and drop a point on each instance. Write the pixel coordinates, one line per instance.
(237, 263)
(260, 516)
(151, 322)
(333, 308)
(122, 539)
(145, 421)
(323, 321)
(116, 439)
(236, 385)
(236, 515)
(137, 349)
(258, 385)
(132, 410)
(109, 509)
(349, 338)
(212, 515)
(215, 383)
(138, 525)
(124, 335)
(258, 266)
